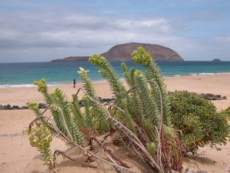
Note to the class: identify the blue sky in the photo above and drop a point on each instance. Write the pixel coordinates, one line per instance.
(41, 30)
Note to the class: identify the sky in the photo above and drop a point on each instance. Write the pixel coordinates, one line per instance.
(42, 30)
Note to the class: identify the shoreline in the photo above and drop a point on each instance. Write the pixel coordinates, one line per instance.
(53, 84)
(217, 83)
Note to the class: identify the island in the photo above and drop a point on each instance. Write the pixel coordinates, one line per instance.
(122, 52)
(216, 60)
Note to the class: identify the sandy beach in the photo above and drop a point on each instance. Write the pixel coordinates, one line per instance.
(17, 156)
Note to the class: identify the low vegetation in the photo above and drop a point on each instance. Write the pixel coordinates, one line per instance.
(197, 121)
(226, 113)
(142, 120)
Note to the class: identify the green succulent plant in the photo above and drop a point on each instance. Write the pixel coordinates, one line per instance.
(147, 119)
(41, 137)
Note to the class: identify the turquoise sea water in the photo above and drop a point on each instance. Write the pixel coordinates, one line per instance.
(65, 72)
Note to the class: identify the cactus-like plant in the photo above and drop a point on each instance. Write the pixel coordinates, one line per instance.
(108, 73)
(141, 56)
(94, 116)
(61, 112)
(119, 91)
(148, 95)
(41, 137)
(139, 112)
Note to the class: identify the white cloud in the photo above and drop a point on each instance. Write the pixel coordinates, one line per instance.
(74, 29)
(51, 36)
(157, 24)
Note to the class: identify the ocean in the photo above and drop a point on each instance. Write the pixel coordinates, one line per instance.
(17, 74)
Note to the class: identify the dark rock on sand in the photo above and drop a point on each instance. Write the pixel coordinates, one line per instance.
(210, 96)
(16, 107)
(42, 105)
